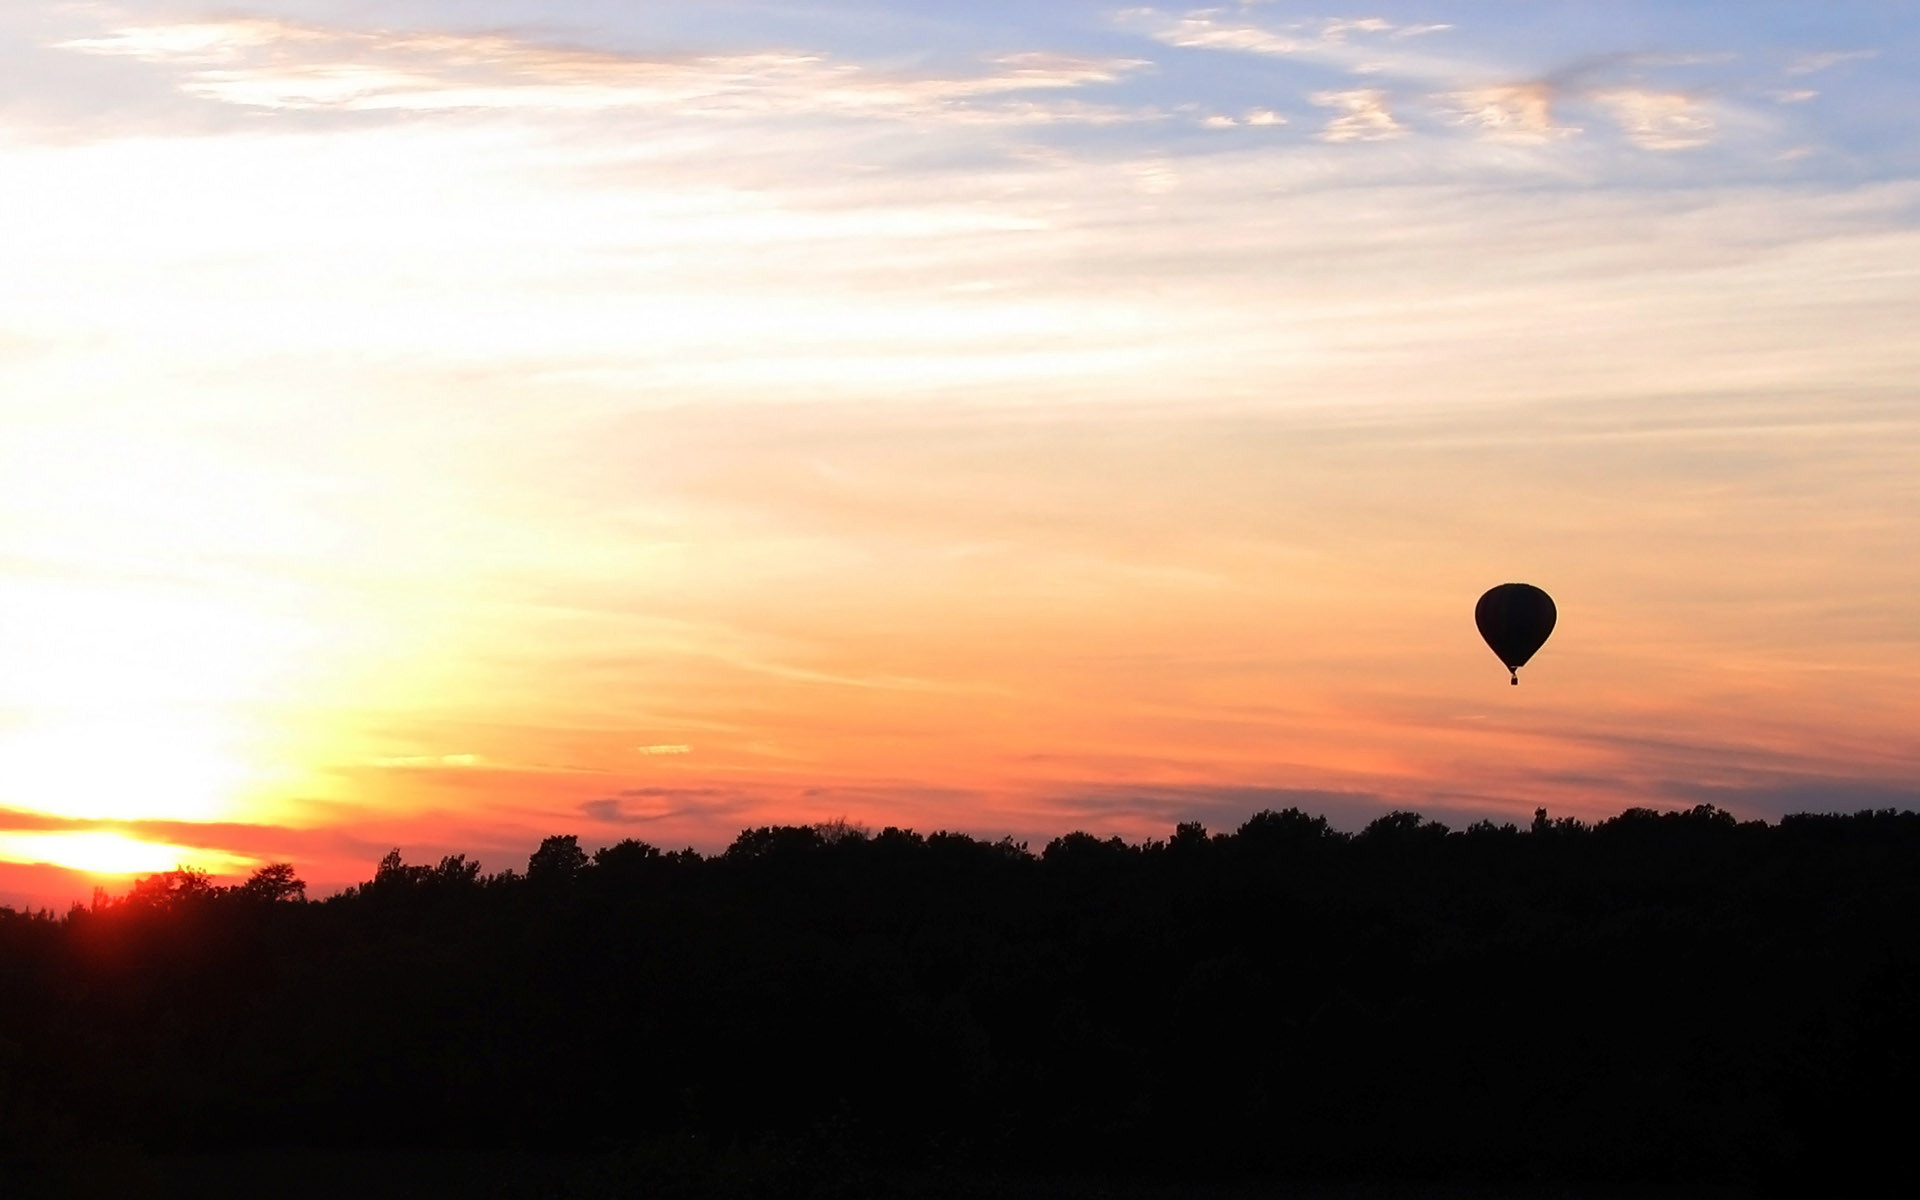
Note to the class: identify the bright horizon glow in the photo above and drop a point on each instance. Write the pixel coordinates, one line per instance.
(98, 853)
(447, 427)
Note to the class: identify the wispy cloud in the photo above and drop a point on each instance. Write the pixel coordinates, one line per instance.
(1216, 29)
(281, 65)
(1366, 46)
(1808, 64)
(639, 806)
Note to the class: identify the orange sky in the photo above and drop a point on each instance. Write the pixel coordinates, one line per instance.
(445, 463)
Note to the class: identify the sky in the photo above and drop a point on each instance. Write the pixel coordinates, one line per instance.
(438, 425)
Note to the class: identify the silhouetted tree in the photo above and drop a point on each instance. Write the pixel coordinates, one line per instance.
(170, 889)
(393, 872)
(1288, 828)
(1545, 827)
(559, 860)
(456, 871)
(625, 855)
(1083, 848)
(769, 841)
(1400, 828)
(275, 883)
(1188, 837)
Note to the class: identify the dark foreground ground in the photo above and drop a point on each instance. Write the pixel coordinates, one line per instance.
(629, 1176)
(1663, 1004)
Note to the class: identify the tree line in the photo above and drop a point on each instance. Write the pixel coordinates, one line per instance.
(1674, 997)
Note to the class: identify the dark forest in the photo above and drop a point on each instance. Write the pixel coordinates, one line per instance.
(1676, 999)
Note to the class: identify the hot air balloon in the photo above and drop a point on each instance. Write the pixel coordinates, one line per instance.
(1515, 618)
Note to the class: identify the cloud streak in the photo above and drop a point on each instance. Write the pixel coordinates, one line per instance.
(1332, 39)
(283, 66)
(1810, 64)
(649, 805)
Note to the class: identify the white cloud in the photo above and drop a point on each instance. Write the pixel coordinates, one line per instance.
(1659, 120)
(1366, 117)
(664, 750)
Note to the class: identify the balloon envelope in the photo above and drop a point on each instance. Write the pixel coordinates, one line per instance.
(1515, 618)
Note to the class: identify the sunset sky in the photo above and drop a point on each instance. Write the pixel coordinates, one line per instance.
(443, 423)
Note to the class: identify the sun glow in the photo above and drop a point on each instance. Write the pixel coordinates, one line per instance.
(132, 699)
(147, 662)
(124, 766)
(102, 853)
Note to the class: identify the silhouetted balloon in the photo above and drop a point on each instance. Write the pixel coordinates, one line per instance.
(1515, 618)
